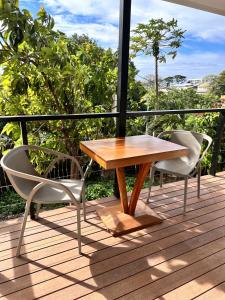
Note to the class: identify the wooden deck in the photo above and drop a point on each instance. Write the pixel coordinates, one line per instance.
(182, 258)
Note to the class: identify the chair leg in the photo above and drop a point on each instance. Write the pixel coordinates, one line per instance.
(78, 229)
(151, 181)
(185, 193)
(84, 208)
(199, 180)
(161, 179)
(83, 199)
(37, 210)
(27, 209)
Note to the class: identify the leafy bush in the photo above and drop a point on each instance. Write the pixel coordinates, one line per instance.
(11, 204)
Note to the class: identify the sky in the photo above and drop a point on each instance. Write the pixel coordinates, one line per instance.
(202, 52)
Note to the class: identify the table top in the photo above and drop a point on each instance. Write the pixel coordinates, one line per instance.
(121, 152)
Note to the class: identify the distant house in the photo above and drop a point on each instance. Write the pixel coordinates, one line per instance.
(194, 81)
(203, 88)
(184, 86)
(196, 84)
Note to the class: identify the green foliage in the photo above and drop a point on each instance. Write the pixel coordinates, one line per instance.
(205, 123)
(217, 84)
(46, 72)
(8, 5)
(172, 100)
(10, 204)
(174, 79)
(100, 189)
(179, 99)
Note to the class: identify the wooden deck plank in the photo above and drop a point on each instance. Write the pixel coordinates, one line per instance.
(199, 285)
(146, 264)
(217, 292)
(57, 238)
(136, 256)
(165, 276)
(181, 277)
(130, 273)
(133, 262)
(51, 261)
(156, 249)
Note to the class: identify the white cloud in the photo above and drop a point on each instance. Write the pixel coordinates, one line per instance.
(99, 19)
(105, 34)
(107, 11)
(198, 23)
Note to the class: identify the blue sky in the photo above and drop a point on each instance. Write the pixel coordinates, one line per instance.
(202, 53)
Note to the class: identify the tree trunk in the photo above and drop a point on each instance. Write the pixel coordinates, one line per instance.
(156, 106)
(156, 81)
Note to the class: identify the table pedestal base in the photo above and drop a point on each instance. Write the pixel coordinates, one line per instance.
(119, 223)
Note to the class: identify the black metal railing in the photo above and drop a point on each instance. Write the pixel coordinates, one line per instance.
(23, 120)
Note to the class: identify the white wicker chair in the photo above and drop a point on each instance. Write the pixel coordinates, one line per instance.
(38, 189)
(186, 166)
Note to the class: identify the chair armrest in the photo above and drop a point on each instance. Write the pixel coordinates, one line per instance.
(209, 140)
(165, 133)
(87, 169)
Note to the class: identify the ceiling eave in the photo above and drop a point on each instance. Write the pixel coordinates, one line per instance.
(195, 4)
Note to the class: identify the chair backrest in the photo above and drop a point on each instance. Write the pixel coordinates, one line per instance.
(16, 163)
(192, 140)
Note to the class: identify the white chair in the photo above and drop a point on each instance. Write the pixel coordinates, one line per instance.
(186, 166)
(38, 189)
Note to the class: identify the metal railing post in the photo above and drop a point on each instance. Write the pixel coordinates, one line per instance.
(217, 143)
(123, 66)
(23, 127)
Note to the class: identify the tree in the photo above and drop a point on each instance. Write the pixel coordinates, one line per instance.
(174, 79)
(45, 72)
(168, 80)
(159, 39)
(172, 100)
(209, 78)
(218, 84)
(7, 5)
(180, 78)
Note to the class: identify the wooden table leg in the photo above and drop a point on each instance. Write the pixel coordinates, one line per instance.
(139, 215)
(122, 188)
(143, 172)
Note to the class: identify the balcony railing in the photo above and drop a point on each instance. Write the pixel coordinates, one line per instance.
(23, 120)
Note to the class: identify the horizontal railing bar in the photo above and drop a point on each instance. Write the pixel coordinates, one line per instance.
(27, 118)
(174, 112)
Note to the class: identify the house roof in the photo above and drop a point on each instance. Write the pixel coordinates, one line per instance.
(214, 6)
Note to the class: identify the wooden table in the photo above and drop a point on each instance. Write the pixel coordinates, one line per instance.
(118, 153)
